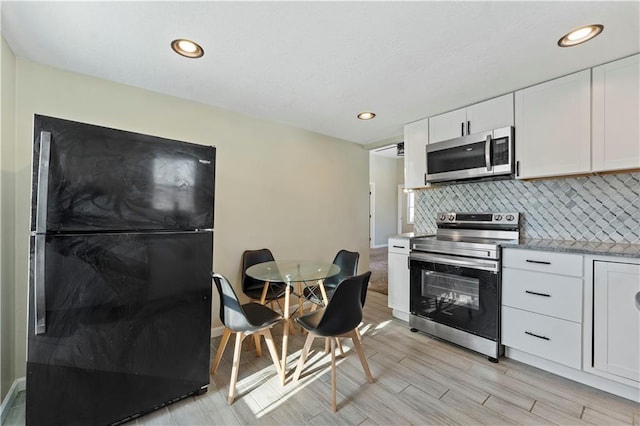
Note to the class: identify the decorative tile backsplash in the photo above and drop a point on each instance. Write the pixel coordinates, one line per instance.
(594, 208)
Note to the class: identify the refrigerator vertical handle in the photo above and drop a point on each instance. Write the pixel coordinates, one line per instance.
(487, 153)
(38, 285)
(43, 182)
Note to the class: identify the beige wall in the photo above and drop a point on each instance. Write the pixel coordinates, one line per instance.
(7, 217)
(301, 194)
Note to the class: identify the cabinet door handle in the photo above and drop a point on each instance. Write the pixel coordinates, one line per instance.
(539, 262)
(517, 168)
(536, 335)
(468, 127)
(638, 300)
(399, 246)
(537, 294)
(462, 129)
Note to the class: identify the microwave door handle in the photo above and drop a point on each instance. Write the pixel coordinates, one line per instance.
(487, 153)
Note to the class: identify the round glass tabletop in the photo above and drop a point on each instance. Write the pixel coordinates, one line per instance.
(292, 271)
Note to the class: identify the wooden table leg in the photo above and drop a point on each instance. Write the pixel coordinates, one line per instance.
(285, 333)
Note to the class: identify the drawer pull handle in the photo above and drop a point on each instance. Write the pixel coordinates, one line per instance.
(399, 247)
(540, 262)
(537, 294)
(638, 300)
(536, 335)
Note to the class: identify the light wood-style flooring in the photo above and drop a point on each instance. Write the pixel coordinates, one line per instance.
(418, 380)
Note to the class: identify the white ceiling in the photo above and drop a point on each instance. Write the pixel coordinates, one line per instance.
(315, 65)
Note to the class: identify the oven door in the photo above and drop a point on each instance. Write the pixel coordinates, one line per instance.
(459, 292)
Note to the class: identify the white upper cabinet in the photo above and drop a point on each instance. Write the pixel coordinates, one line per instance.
(416, 137)
(448, 126)
(491, 114)
(616, 112)
(553, 127)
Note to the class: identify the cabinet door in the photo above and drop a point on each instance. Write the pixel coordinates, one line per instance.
(553, 127)
(447, 126)
(616, 319)
(398, 282)
(616, 108)
(492, 114)
(416, 137)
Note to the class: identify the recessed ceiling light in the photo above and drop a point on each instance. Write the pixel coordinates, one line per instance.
(580, 35)
(366, 115)
(187, 48)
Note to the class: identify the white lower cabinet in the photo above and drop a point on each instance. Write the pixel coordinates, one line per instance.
(542, 304)
(574, 315)
(616, 319)
(398, 280)
(544, 336)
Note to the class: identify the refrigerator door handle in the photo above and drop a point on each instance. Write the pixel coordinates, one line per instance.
(38, 285)
(43, 182)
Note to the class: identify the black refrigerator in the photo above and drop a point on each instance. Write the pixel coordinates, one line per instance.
(121, 253)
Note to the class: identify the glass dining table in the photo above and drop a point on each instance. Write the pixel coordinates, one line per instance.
(304, 274)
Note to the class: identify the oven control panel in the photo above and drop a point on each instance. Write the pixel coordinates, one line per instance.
(501, 218)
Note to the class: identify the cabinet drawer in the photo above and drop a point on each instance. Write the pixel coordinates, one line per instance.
(550, 338)
(555, 295)
(543, 261)
(399, 245)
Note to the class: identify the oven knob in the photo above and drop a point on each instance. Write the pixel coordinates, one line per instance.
(497, 217)
(442, 217)
(451, 217)
(510, 217)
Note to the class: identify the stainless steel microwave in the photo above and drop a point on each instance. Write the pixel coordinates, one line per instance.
(481, 155)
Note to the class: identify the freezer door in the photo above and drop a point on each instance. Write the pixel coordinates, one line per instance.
(88, 179)
(128, 326)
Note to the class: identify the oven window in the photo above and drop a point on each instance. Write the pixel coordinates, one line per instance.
(450, 291)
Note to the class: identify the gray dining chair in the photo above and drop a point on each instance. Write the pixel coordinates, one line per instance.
(243, 320)
(340, 318)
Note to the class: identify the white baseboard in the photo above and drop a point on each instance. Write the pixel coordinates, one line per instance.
(217, 331)
(380, 246)
(404, 316)
(18, 386)
(579, 376)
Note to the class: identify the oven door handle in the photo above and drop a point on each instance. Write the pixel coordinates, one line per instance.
(490, 266)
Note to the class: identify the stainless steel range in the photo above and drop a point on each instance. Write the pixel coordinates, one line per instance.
(455, 285)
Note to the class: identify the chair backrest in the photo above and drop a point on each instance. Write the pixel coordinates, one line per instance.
(344, 311)
(348, 263)
(250, 258)
(231, 313)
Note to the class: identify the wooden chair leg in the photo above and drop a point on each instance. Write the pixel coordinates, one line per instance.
(358, 334)
(333, 375)
(303, 356)
(256, 340)
(221, 347)
(268, 338)
(235, 366)
(326, 345)
(339, 346)
(363, 359)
